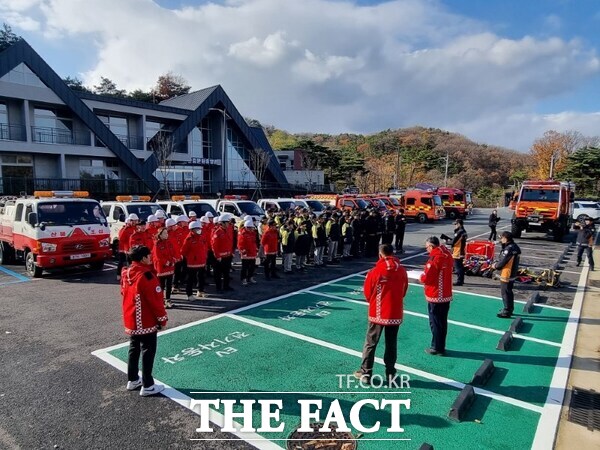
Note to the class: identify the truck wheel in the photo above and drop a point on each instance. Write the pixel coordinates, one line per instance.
(581, 218)
(98, 265)
(452, 214)
(32, 268)
(422, 218)
(515, 230)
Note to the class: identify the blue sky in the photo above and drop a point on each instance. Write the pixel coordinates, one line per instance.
(501, 72)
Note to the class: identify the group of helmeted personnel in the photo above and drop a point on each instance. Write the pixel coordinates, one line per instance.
(186, 251)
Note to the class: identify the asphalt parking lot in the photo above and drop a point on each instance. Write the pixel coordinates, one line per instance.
(55, 394)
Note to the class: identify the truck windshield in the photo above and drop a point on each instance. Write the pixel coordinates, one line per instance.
(200, 209)
(57, 213)
(361, 203)
(286, 206)
(394, 201)
(539, 195)
(437, 200)
(251, 209)
(458, 197)
(143, 210)
(315, 205)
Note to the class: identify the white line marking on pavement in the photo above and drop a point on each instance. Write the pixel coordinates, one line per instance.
(402, 367)
(548, 424)
(454, 322)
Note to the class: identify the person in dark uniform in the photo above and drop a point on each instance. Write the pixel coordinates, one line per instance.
(508, 265)
(585, 241)
(389, 227)
(492, 222)
(372, 230)
(437, 280)
(400, 220)
(458, 245)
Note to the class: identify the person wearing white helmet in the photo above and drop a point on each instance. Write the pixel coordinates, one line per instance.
(247, 245)
(195, 251)
(161, 216)
(208, 226)
(152, 225)
(123, 245)
(221, 242)
(192, 215)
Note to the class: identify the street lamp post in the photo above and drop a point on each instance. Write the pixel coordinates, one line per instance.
(446, 171)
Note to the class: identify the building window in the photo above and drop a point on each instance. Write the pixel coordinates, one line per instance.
(238, 167)
(98, 168)
(23, 75)
(206, 138)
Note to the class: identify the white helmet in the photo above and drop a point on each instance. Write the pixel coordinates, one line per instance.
(152, 218)
(161, 214)
(249, 223)
(194, 225)
(192, 214)
(170, 222)
(132, 216)
(209, 215)
(182, 218)
(204, 219)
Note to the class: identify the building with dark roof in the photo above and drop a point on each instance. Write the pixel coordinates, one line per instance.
(53, 137)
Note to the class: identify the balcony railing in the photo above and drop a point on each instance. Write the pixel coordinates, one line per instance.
(10, 132)
(132, 142)
(47, 135)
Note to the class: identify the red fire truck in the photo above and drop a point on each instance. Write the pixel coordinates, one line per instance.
(53, 229)
(456, 202)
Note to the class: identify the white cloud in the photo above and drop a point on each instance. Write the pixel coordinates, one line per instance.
(333, 66)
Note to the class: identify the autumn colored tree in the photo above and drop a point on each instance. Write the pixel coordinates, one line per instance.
(550, 152)
(170, 85)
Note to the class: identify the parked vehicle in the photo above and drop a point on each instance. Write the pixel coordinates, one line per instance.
(277, 204)
(421, 205)
(544, 206)
(347, 202)
(586, 208)
(117, 211)
(238, 206)
(457, 203)
(315, 206)
(183, 205)
(53, 229)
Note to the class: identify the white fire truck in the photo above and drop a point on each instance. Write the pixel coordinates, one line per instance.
(53, 229)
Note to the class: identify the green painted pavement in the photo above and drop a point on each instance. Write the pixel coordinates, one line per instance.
(262, 360)
(523, 373)
(543, 323)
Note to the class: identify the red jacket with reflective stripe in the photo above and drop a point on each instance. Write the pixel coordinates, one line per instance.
(437, 276)
(385, 287)
(247, 243)
(220, 243)
(124, 237)
(163, 257)
(143, 307)
(269, 241)
(195, 250)
(141, 238)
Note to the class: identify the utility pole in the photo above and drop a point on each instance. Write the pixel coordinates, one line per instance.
(396, 183)
(552, 166)
(446, 171)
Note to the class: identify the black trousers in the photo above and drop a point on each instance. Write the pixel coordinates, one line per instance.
(195, 279)
(374, 332)
(270, 262)
(248, 268)
(459, 268)
(121, 261)
(146, 345)
(493, 234)
(438, 322)
(589, 253)
(166, 284)
(222, 271)
(400, 241)
(508, 296)
(180, 273)
(387, 238)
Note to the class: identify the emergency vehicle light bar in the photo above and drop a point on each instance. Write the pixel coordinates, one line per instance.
(61, 194)
(236, 197)
(179, 198)
(133, 198)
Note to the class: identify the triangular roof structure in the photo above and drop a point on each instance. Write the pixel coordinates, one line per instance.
(21, 52)
(196, 104)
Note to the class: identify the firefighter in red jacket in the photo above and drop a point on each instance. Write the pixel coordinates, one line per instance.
(221, 247)
(437, 279)
(269, 242)
(384, 288)
(195, 252)
(164, 258)
(180, 232)
(141, 236)
(208, 225)
(247, 245)
(124, 236)
(143, 315)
